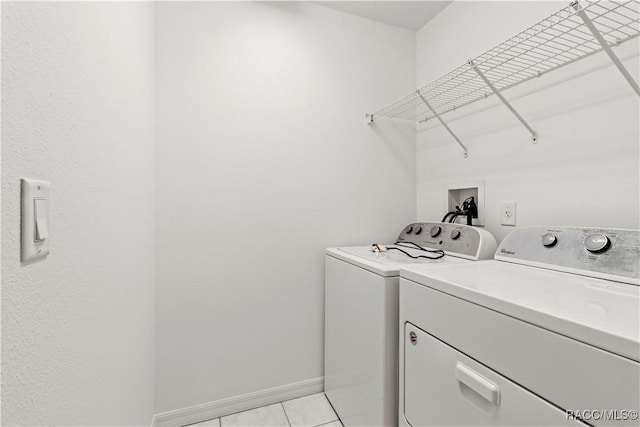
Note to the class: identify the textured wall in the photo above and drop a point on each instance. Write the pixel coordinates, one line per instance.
(584, 171)
(264, 159)
(78, 110)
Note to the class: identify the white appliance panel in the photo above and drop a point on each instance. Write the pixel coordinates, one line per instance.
(361, 338)
(567, 372)
(603, 313)
(444, 387)
(595, 252)
(387, 263)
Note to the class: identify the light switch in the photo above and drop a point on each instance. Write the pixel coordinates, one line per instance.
(35, 219)
(42, 226)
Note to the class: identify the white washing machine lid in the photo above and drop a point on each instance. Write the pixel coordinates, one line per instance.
(387, 264)
(599, 312)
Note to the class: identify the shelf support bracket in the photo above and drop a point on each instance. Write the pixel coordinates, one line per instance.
(534, 134)
(369, 118)
(605, 46)
(437, 116)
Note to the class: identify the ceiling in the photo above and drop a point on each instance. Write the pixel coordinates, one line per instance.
(411, 15)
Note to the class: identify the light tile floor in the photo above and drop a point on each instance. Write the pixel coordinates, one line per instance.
(309, 411)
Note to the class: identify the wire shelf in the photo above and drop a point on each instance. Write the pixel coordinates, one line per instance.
(559, 40)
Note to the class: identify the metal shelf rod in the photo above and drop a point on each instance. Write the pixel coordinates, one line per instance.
(559, 40)
(437, 116)
(524, 80)
(605, 46)
(534, 134)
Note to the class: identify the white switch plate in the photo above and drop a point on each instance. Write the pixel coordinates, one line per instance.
(508, 213)
(35, 228)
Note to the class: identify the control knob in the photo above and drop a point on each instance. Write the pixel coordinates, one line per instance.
(597, 242)
(418, 229)
(455, 234)
(549, 240)
(409, 229)
(435, 231)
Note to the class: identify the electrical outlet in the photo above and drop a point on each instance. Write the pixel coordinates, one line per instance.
(508, 213)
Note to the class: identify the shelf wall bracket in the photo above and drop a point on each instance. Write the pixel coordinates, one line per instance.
(369, 118)
(534, 134)
(605, 46)
(437, 116)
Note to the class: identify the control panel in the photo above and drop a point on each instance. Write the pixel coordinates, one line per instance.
(597, 252)
(455, 239)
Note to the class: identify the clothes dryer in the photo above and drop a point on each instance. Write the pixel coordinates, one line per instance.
(548, 333)
(361, 314)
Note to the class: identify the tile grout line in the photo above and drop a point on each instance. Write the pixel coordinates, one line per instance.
(329, 422)
(334, 409)
(337, 418)
(285, 414)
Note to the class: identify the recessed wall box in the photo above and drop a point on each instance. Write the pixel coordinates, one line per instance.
(456, 193)
(35, 237)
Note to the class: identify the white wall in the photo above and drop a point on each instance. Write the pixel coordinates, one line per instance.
(584, 170)
(264, 159)
(78, 111)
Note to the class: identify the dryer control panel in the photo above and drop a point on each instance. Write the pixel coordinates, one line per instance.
(455, 239)
(612, 254)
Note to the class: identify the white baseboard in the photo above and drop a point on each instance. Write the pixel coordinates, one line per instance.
(220, 408)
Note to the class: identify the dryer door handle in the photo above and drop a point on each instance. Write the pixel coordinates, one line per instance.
(476, 382)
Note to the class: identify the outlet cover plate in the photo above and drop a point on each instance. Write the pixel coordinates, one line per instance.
(508, 213)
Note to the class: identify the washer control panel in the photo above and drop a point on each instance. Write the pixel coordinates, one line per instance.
(455, 239)
(612, 254)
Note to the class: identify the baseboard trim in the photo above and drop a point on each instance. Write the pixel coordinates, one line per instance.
(220, 408)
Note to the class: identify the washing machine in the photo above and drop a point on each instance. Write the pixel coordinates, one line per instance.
(361, 314)
(547, 333)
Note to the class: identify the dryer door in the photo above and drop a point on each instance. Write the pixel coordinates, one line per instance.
(443, 387)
